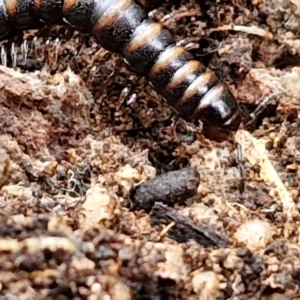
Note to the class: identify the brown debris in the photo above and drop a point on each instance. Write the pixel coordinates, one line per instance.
(185, 229)
(258, 156)
(170, 188)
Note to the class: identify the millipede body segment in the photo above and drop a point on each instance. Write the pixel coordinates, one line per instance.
(122, 26)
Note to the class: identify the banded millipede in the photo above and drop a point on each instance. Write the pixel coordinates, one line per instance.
(121, 26)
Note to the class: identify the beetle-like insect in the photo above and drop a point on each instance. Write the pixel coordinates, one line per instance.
(149, 49)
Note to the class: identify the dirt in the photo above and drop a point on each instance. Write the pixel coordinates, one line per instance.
(79, 133)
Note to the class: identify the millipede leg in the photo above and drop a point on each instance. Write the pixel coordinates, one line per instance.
(260, 108)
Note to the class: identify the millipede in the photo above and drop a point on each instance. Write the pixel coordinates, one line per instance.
(148, 48)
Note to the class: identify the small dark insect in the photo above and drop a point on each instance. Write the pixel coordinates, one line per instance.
(122, 26)
(169, 188)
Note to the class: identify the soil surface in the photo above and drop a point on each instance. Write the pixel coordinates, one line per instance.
(81, 137)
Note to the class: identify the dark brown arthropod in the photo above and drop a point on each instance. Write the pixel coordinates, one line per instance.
(121, 26)
(169, 188)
